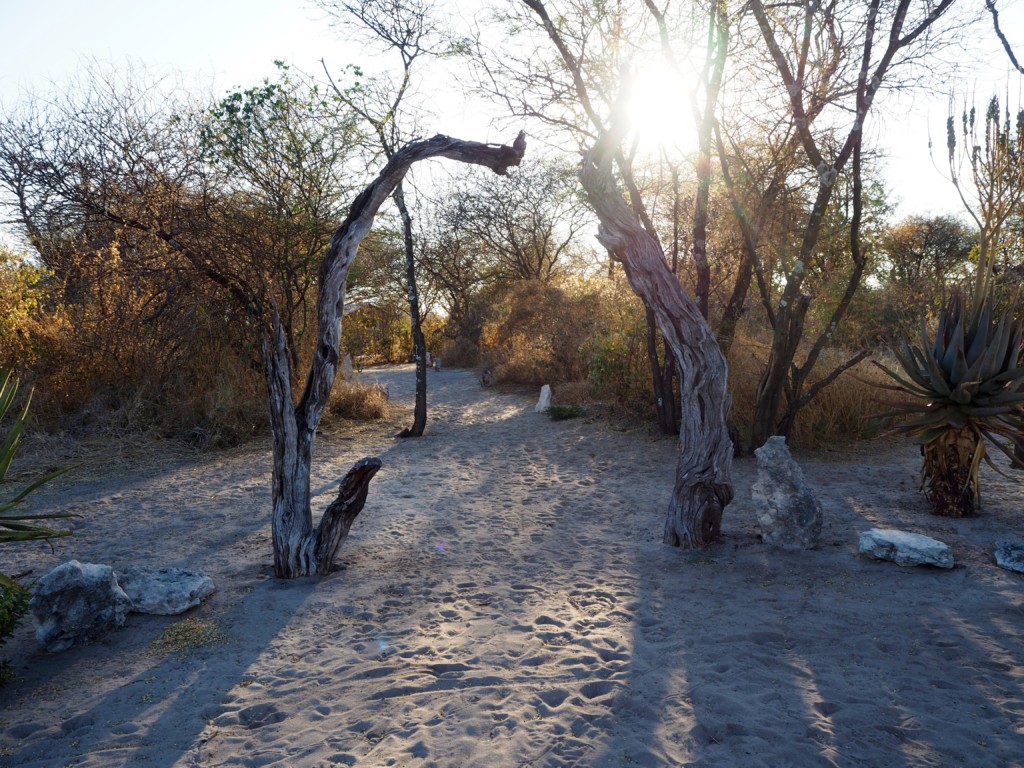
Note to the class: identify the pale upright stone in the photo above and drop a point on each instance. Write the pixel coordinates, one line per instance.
(545, 399)
(787, 511)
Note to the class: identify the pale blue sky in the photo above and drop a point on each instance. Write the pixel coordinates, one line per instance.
(234, 41)
(224, 43)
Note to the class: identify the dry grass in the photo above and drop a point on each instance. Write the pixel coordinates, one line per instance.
(846, 410)
(575, 393)
(189, 634)
(359, 402)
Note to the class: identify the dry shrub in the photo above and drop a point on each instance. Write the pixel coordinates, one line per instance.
(358, 402)
(615, 356)
(459, 353)
(377, 334)
(536, 330)
(574, 392)
(107, 361)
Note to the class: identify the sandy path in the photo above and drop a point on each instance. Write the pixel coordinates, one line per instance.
(505, 601)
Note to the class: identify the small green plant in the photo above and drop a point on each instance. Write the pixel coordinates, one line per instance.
(20, 527)
(13, 607)
(968, 389)
(563, 412)
(15, 527)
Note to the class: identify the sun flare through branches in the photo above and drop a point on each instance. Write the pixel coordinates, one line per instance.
(659, 110)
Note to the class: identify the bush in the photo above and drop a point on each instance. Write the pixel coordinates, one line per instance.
(13, 607)
(536, 330)
(846, 409)
(358, 402)
(565, 412)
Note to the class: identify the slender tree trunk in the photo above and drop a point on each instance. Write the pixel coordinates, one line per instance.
(299, 548)
(661, 377)
(702, 485)
(419, 344)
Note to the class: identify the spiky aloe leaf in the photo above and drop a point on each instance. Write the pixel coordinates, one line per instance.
(979, 335)
(953, 360)
(8, 389)
(964, 392)
(9, 446)
(938, 378)
(916, 387)
(31, 487)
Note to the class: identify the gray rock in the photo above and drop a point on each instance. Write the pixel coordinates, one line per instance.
(164, 591)
(787, 510)
(905, 548)
(545, 399)
(77, 603)
(1010, 555)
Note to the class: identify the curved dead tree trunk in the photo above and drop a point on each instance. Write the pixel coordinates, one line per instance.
(299, 548)
(702, 485)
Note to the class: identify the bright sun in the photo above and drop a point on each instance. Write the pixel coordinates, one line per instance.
(660, 110)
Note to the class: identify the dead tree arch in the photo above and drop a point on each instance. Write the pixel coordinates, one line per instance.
(299, 548)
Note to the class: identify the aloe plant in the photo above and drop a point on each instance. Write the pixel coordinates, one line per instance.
(968, 390)
(14, 526)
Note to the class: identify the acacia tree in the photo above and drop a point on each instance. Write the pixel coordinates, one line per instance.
(702, 486)
(405, 27)
(525, 229)
(230, 203)
(821, 70)
(277, 153)
(299, 548)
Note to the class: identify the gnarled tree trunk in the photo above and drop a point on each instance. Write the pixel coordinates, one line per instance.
(299, 548)
(702, 485)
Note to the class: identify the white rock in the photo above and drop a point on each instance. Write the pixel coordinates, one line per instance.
(164, 591)
(1010, 555)
(77, 603)
(787, 510)
(545, 399)
(905, 548)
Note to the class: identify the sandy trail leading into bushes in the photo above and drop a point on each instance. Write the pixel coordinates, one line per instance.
(504, 600)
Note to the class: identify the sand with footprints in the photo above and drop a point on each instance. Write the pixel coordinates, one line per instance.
(504, 600)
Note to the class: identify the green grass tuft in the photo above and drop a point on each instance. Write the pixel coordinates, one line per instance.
(563, 412)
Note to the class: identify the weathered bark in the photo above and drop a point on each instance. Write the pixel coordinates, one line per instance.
(419, 344)
(947, 477)
(299, 549)
(702, 488)
(319, 549)
(702, 485)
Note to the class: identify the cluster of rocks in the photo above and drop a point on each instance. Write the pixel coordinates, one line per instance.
(790, 518)
(78, 603)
